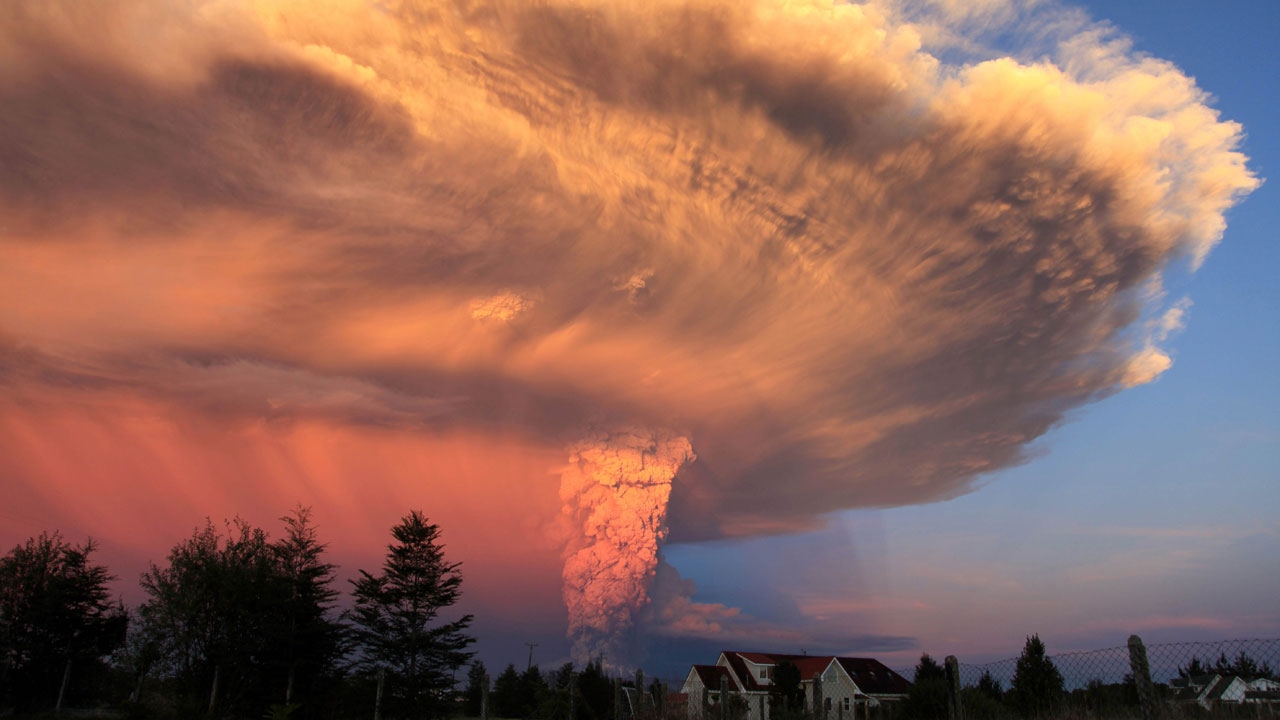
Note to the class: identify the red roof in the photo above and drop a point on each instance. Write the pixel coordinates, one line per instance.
(871, 676)
(710, 676)
(744, 674)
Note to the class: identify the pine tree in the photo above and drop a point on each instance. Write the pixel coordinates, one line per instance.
(475, 688)
(506, 693)
(928, 696)
(397, 625)
(311, 639)
(1194, 668)
(595, 690)
(533, 688)
(1037, 685)
(989, 686)
(929, 669)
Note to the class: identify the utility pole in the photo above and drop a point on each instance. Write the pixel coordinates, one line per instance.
(531, 647)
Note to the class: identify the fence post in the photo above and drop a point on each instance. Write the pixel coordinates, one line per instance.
(724, 697)
(377, 700)
(819, 704)
(1142, 677)
(573, 697)
(955, 711)
(484, 698)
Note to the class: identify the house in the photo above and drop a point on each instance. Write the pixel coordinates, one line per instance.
(1213, 689)
(844, 686)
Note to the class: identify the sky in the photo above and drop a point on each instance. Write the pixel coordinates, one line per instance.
(871, 329)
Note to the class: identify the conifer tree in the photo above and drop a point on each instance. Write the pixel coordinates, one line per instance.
(475, 688)
(312, 640)
(1037, 687)
(507, 699)
(397, 623)
(927, 699)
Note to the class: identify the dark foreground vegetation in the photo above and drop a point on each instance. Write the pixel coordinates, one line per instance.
(1037, 689)
(239, 625)
(235, 625)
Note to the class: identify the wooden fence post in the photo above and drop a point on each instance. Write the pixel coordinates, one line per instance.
(484, 698)
(1142, 678)
(724, 697)
(955, 710)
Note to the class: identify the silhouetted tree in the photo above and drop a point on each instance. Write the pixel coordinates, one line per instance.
(218, 606)
(1036, 690)
(927, 699)
(55, 614)
(595, 690)
(532, 690)
(475, 689)
(786, 694)
(1099, 699)
(506, 693)
(311, 642)
(1244, 665)
(554, 702)
(929, 669)
(989, 686)
(140, 656)
(562, 678)
(1193, 668)
(397, 624)
(983, 701)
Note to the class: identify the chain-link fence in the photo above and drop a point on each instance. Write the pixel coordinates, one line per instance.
(1228, 678)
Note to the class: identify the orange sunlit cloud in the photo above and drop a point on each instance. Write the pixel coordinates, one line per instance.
(766, 260)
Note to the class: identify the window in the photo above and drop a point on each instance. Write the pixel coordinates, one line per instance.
(765, 672)
(846, 704)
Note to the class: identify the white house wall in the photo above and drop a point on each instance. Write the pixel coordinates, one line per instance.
(837, 685)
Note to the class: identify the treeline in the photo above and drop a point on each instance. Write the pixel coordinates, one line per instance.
(586, 694)
(1038, 690)
(1244, 666)
(235, 624)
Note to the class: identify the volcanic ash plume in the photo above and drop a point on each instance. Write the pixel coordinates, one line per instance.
(615, 491)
